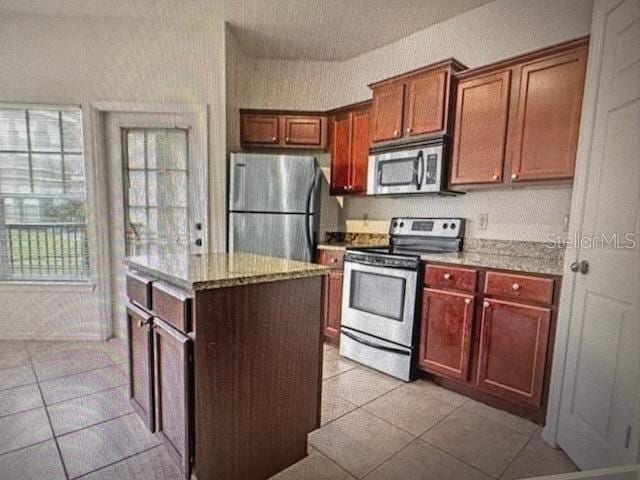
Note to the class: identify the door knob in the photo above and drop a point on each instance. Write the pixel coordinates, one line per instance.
(516, 286)
(447, 276)
(467, 301)
(486, 304)
(582, 267)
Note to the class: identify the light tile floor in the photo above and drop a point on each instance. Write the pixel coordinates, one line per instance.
(64, 414)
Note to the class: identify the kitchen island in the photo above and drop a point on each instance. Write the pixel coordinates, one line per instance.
(225, 355)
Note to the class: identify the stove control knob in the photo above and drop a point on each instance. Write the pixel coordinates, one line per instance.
(401, 224)
(445, 226)
(395, 224)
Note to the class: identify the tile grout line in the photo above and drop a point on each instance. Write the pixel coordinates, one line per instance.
(25, 447)
(86, 395)
(518, 454)
(93, 425)
(116, 462)
(46, 411)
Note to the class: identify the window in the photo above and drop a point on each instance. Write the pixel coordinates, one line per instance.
(43, 231)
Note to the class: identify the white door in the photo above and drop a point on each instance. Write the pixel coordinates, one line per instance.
(157, 192)
(599, 407)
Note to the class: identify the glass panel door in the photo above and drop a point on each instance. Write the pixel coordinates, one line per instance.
(155, 190)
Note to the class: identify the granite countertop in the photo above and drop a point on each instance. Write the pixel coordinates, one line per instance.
(218, 270)
(521, 257)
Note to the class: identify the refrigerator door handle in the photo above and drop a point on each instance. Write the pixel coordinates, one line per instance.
(308, 214)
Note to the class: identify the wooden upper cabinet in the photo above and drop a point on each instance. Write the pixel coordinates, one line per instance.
(303, 131)
(513, 346)
(350, 149)
(283, 129)
(359, 150)
(480, 132)
(547, 119)
(260, 129)
(414, 104)
(445, 337)
(340, 153)
(518, 120)
(426, 103)
(387, 112)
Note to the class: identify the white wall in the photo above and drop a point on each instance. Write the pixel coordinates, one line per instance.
(81, 60)
(489, 33)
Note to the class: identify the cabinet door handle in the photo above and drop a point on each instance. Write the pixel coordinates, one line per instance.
(334, 260)
(516, 286)
(408, 129)
(447, 276)
(467, 301)
(514, 176)
(396, 133)
(486, 304)
(495, 177)
(273, 139)
(286, 139)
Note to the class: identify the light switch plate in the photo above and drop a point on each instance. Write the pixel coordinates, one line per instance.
(483, 221)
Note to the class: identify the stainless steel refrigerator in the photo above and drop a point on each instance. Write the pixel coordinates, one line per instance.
(274, 205)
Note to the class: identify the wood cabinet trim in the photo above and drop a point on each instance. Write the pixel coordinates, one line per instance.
(549, 51)
(451, 63)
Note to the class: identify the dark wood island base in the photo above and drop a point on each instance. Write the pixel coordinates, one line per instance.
(226, 360)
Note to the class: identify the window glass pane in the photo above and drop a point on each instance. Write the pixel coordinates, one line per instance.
(152, 184)
(167, 149)
(14, 173)
(72, 131)
(44, 127)
(137, 189)
(74, 173)
(152, 228)
(47, 173)
(13, 130)
(44, 214)
(135, 149)
(172, 188)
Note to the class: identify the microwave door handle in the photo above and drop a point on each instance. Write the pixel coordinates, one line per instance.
(418, 165)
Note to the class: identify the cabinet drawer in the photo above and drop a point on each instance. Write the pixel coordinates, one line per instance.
(522, 287)
(451, 277)
(331, 258)
(139, 289)
(172, 305)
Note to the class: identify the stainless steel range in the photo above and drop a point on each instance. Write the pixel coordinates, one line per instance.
(380, 293)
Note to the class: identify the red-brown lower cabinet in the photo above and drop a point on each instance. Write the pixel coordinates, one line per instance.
(513, 347)
(446, 330)
(173, 352)
(141, 371)
(333, 304)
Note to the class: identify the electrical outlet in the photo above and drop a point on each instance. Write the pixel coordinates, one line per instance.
(483, 221)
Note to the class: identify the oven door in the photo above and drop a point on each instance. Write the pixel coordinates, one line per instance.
(406, 171)
(380, 301)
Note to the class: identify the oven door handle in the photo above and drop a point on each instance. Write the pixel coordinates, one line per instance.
(361, 340)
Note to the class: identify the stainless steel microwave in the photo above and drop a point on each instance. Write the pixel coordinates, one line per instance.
(412, 169)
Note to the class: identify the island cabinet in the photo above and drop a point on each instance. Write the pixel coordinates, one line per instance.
(332, 293)
(226, 368)
(413, 105)
(283, 129)
(488, 334)
(349, 141)
(517, 121)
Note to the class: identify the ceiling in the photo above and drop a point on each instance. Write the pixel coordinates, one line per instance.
(286, 29)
